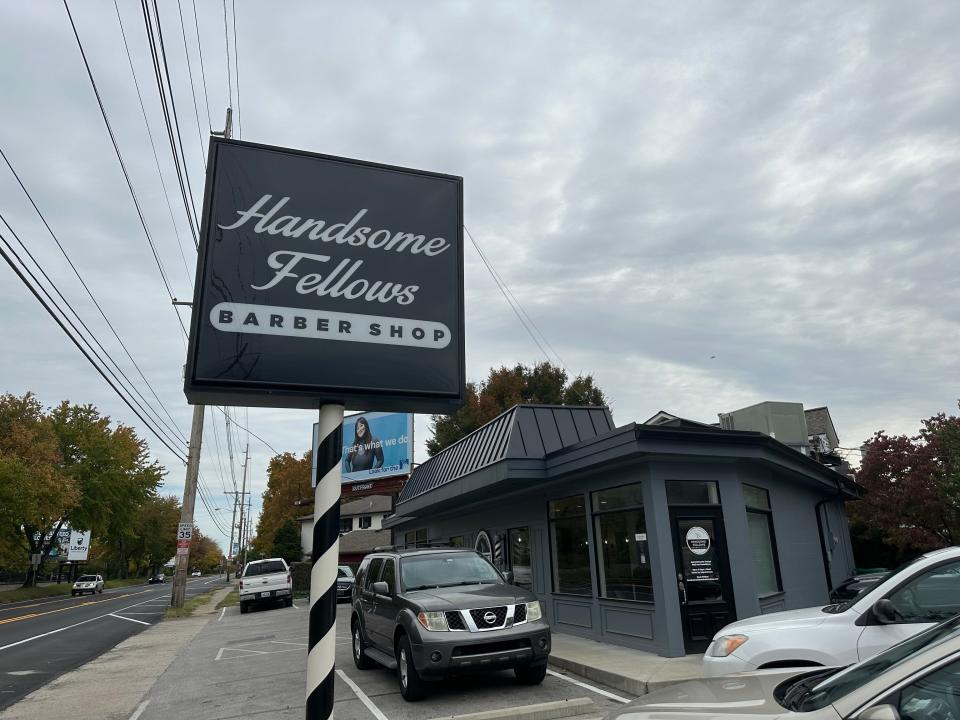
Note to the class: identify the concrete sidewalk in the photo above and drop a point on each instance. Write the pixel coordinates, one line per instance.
(112, 686)
(633, 671)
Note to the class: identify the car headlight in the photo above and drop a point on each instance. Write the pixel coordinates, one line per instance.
(433, 620)
(726, 644)
(533, 611)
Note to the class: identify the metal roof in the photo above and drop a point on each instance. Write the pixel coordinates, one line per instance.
(522, 432)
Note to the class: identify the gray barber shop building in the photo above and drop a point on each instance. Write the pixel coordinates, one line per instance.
(650, 535)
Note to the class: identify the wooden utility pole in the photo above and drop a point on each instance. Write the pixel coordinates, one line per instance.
(186, 512)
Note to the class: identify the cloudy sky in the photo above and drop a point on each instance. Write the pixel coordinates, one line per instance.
(704, 205)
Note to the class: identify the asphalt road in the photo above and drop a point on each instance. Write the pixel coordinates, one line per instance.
(41, 639)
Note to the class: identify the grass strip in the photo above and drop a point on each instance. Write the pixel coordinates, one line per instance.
(46, 591)
(189, 606)
(232, 598)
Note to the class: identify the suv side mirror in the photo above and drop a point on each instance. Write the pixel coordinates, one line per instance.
(381, 588)
(508, 576)
(886, 613)
(880, 712)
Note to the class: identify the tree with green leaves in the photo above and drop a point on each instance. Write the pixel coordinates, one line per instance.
(289, 495)
(154, 538)
(37, 494)
(543, 384)
(286, 542)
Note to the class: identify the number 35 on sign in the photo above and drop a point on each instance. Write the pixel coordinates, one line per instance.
(185, 531)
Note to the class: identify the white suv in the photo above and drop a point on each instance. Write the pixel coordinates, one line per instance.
(266, 581)
(908, 600)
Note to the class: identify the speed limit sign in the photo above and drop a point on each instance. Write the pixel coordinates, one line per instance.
(185, 531)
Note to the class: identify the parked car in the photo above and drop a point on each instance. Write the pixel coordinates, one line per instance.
(266, 581)
(903, 603)
(92, 584)
(431, 613)
(195, 573)
(345, 580)
(158, 578)
(853, 586)
(913, 680)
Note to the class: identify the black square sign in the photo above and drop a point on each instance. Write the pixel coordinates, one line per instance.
(323, 279)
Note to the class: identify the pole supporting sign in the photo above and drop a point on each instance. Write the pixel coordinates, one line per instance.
(327, 280)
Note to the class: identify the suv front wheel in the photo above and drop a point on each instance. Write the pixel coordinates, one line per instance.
(412, 686)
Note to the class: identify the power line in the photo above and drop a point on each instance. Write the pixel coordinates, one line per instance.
(123, 166)
(193, 90)
(236, 66)
(226, 40)
(90, 294)
(173, 103)
(158, 77)
(153, 147)
(203, 74)
(252, 433)
(9, 254)
(515, 305)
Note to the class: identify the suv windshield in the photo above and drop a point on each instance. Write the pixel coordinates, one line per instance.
(87, 578)
(446, 570)
(814, 692)
(344, 571)
(264, 568)
(844, 606)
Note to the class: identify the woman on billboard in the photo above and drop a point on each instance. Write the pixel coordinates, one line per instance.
(365, 452)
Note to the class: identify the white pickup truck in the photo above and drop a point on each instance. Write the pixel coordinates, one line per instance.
(266, 581)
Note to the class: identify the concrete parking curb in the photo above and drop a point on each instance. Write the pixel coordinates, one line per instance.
(113, 685)
(541, 711)
(605, 677)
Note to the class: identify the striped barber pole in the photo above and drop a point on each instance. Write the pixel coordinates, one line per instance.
(322, 635)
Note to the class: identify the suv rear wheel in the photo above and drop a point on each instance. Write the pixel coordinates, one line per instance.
(359, 659)
(412, 686)
(530, 674)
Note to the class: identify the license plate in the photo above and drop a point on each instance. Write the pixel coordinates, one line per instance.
(264, 594)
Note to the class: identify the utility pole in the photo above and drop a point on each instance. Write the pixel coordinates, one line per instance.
(244, 517)
(193, 471)
(233, 527)
(186, 512)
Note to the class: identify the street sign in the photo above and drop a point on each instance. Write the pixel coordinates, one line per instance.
(184, 550)
(79, 545)
(327, 280)
(35, 559)
(184, 532)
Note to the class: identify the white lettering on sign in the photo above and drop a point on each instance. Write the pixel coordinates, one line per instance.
(322, 325)
(185, 531)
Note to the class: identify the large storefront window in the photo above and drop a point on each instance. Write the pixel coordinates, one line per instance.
(766, 568)
(620, 530)
(571, 551)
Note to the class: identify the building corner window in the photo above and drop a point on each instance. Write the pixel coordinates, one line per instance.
(623, 557)
(763, 542)
(570, 551)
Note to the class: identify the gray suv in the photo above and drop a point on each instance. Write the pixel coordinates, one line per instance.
(434, 612)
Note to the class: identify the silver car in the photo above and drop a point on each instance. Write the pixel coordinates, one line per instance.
(92, 584)
(917, 679)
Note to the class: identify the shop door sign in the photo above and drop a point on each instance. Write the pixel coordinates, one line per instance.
(699, 561)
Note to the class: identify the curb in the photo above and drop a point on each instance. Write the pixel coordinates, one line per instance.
(610, 679)
(540, 711)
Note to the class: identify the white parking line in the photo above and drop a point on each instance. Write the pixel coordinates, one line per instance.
(139, 711)
(121, 617)
(374, 710)
(589, 687)
(222, 611)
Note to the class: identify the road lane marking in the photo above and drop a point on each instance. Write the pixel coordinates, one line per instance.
(374, 710)
(28, 616)
(589, 687)
(139, 711)
(222, 611)
(121, 617)
(66, 627)
(9, 607)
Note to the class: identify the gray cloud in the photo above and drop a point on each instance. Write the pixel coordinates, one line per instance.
(775, 185)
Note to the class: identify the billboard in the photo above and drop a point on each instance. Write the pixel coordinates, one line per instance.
(375, 445)
(327, 280)
(79, 545)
